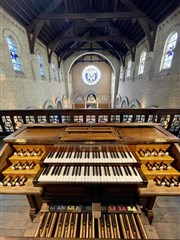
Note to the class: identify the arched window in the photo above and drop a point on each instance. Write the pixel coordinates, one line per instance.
(16, 61)
(54, 72)
(40, 63)
(142, 62)
(168, 52)
(128, 71)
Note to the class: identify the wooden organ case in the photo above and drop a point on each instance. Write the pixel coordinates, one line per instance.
(90, 180)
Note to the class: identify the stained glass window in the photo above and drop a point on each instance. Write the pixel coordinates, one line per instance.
(142, 62)
(15, 57)
(168, 52)
(91, 75)
(40, 62)
(128, 71)
(54, 72)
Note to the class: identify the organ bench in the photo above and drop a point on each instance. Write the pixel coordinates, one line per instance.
(91, 178)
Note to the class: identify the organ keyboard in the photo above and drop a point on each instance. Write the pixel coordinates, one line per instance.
(81, 164)
(90, 154)
(90, 174)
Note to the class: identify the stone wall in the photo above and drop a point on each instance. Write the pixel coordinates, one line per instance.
(27, 89)
(154, 88)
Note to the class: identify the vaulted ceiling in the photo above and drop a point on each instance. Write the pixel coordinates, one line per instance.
(67, 26)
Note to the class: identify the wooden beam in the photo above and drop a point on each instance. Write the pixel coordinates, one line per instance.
(52, 6)
(90, 39)
(145, 22)
(52, 45)
(150, 37)
(134, 8)
(32, 37)
(124, 36)
(35, 27)
(86, 16)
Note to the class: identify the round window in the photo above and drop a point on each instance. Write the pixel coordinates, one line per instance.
(91, 75)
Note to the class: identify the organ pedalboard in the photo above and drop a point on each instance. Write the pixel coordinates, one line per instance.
(115, 222)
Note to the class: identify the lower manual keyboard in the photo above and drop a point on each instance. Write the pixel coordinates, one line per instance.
(90, 174)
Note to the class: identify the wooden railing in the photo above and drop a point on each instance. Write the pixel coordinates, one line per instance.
(11, 120)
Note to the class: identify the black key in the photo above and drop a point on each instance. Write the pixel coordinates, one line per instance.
(88, 171)
(106, 150)
(134, 171)
(52, 173)
(49, 154)
(122, 154)
(73, 172)
(120, 170)
(103, 152)
(70, 152)
(125, 154)
(52, 152)
(116, 152)
(108, 171)
(59, 170)
(56, 171)
(126, 171)
(129, 171)
(105, 170)
(67, 171)
(48, 169)
(63, 152)
(44, 171)
(97, 171)
(76, 171)
(128, 153)
(79, 170)
(100, 173)
(64, 173)
(117, 171)
(60, 153)
(57, 153)
(113, 171)
(111, 153)
(93, 170)
(84, 170)
(67, 153)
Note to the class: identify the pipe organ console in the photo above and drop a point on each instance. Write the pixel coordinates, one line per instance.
(91, 178)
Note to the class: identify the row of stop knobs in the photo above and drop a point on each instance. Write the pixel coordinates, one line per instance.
(167, 181)
(28, 152)
(157, 166)
(23, 165)
(154, 152)
(17, 180)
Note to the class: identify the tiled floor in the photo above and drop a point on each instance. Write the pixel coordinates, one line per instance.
(14, 217)
(167, 217)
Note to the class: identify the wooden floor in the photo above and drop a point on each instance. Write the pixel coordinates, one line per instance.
(14, 217)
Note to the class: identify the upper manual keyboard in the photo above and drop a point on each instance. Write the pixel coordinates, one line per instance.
(94, 154)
